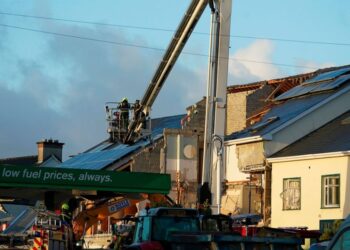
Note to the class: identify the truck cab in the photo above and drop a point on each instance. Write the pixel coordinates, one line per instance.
(155, 227)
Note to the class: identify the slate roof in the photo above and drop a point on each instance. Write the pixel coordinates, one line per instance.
(295, 101)
(333, 137)
(13, 211)
(25, 161)
(106, 153)
(20, 161)
(22, 222)
(283, 113)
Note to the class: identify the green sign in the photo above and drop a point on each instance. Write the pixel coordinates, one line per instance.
(123, 182)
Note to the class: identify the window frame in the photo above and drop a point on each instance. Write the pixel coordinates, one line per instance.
(323, 191)
(284, 190)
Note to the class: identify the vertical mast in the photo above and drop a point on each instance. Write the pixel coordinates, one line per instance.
(216, 99)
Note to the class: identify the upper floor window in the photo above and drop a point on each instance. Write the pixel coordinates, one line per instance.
(330, 191)
(291, 194)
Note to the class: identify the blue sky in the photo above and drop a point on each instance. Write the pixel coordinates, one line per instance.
(55, 87)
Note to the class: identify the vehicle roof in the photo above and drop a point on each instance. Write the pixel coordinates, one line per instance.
(169, 211)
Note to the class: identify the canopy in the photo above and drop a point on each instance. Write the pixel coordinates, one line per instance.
(73, 179)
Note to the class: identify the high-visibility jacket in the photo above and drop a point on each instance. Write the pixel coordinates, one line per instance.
(66, 216)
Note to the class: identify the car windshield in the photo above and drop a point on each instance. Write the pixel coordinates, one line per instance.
(162, 227)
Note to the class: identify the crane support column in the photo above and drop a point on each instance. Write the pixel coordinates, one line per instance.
(216, 100)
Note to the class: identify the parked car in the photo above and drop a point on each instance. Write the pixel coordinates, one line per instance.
(246, 219)
(341, 240)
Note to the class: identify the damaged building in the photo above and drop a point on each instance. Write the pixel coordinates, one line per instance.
(260, 121)
(286, 119)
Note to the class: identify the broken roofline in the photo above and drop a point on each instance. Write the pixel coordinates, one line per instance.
(269, 135)
(257, 85)
(302, 77)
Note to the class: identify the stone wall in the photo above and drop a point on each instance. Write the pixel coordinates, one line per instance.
(244, 104)
(195, 118)
(148, 160)
(236, 113)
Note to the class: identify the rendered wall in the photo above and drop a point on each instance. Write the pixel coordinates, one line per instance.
(232, 170)
(310, 172)
(181, 162)
(251, 156)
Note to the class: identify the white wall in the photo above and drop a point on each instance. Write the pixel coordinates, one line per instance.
(232, 171)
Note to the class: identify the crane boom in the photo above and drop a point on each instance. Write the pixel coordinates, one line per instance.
(215, 116)
(173, 51)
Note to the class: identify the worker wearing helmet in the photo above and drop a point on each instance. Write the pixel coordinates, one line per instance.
(124, 107)
(66, 215)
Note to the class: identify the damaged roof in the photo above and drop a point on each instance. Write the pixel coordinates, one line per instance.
(330, 138)
(106, 153)
(322, 82)
(296, 101)
(283, 84)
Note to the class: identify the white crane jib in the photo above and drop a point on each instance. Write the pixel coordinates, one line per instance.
(216, 99)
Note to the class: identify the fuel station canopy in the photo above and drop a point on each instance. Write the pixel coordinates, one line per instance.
(30, 182)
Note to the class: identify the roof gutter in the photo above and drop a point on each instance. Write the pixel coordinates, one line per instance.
(308, 156)
(244, 140)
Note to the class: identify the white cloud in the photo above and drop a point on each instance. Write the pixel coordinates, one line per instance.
(311, 65)
(244, 70)
(61, 95)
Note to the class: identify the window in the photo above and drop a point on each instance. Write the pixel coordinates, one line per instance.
(164, 226)
(331, 191)
(326, 225)
(291, 194)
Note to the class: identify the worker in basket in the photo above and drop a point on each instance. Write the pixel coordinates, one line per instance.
(66, 215)
(124, 108)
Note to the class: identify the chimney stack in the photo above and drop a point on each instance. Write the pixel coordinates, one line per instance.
(46, 148)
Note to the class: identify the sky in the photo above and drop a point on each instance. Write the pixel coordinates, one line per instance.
(62, 60)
